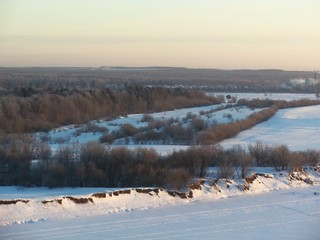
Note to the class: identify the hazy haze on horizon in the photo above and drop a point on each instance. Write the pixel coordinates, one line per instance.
(230, 34)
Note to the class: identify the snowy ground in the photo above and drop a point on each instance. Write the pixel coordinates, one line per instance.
(273, 96)
(287, 214)
(275, 207)
(298, 128)
(68, 134)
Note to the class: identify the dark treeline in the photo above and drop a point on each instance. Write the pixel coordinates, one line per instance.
(44, 111)
(238, 161)
(271, 80)
(94, 165)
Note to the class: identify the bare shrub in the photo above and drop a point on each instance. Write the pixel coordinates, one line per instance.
(66, 155)
(242, 160)
(129, 130)
(92, 152)
(178, 178)
(260, 153)
(43, 152)
(145, 155)
(147, 118)
(297, 161)
(280, 157)
(312, 157)
(178, 133)
(225, 168)
(228, 116)
(157, 124)
(190, 115)
(90, 127)
(226, 171)
(107, 138)
(195, 160)
(198, 124)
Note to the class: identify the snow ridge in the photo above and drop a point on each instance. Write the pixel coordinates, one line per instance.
(19, 211)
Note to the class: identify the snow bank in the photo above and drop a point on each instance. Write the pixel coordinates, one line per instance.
(44, 204)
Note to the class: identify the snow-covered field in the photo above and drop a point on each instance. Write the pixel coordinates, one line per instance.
(298, 128)
(68, 134)
(273, 96)
(223, 211)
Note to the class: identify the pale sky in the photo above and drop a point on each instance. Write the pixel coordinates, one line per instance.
(228, 34)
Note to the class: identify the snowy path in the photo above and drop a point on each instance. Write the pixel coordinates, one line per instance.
(286, 214)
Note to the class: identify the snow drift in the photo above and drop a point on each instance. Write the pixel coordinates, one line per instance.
(22, 206)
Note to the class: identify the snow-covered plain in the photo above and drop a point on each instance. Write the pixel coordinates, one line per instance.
(298, 128)
(223, 211)
(68, 134)
(273, 96)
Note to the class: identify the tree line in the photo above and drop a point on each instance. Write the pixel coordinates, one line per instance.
(118, 78)
(28, 163)
(44, 111)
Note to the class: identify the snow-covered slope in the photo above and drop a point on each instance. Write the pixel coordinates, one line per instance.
(34, 204)
(291, 214)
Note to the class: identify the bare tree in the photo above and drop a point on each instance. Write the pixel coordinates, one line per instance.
(260, 153)
(242, 160)
(44, 153)
(297, 160)
(225, 168)
(312, 157)
(280, 156)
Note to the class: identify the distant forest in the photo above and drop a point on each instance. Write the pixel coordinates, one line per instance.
(119, 78)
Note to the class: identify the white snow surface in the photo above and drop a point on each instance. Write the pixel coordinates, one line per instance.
(298, 128)
(68, 133)
(273, 96)
(223, 211)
